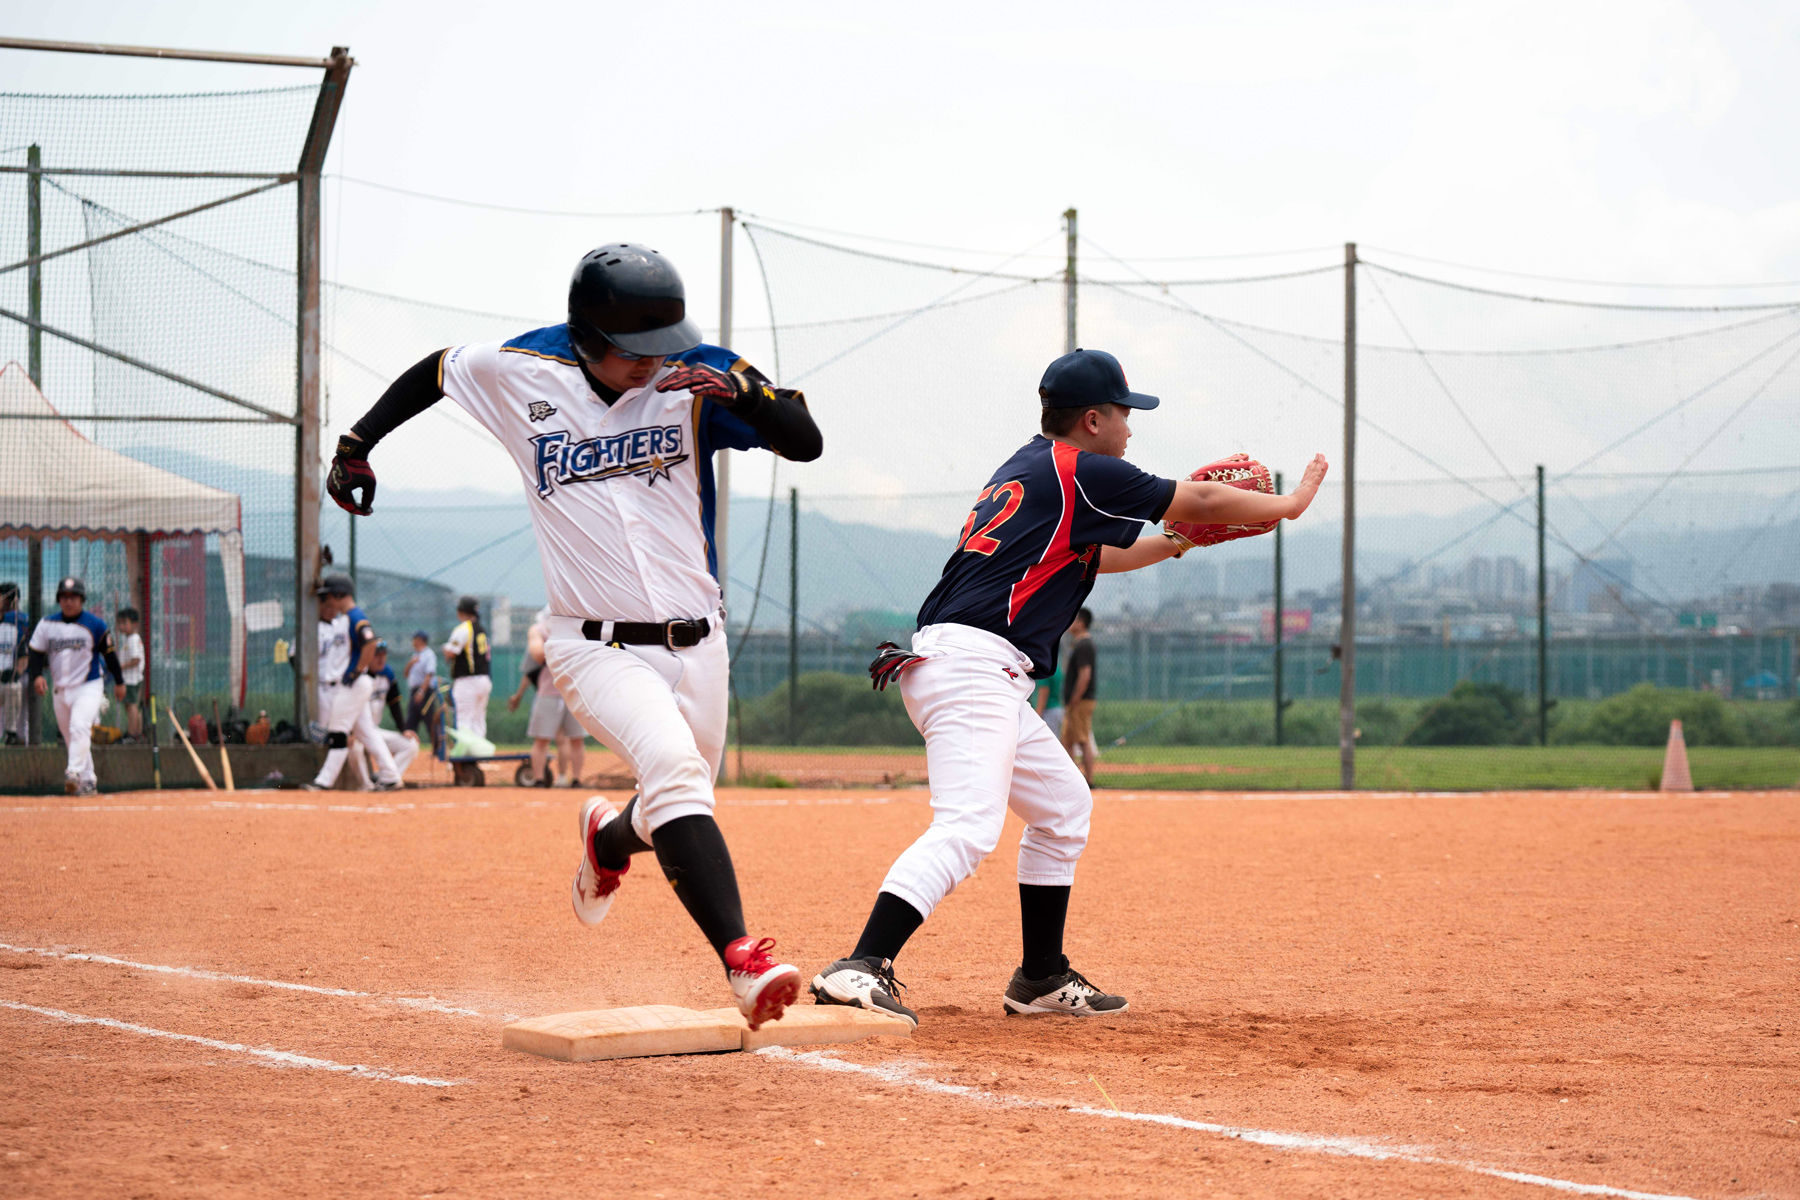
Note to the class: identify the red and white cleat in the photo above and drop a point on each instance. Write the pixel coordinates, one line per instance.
(592, 890)
(763, 987)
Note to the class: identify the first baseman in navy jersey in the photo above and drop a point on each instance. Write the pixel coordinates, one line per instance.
(1062, 509)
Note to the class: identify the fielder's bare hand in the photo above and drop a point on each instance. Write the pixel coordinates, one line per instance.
(1310, 479)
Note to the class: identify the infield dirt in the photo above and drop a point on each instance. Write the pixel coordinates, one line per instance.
(1587, 988)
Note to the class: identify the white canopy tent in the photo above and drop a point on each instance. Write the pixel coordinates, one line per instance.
(54, 482)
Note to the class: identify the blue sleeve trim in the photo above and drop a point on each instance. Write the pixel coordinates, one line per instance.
(551, 342)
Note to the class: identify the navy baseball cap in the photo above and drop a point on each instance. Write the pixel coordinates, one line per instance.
(421, 635)
(1086, 378)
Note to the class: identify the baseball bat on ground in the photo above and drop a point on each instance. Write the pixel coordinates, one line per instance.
(224, 758)
(192, 753)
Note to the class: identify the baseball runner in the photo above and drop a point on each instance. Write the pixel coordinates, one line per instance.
(15, 629)
(75, 645)
(471, 677)
(613, 419)
(1063, 508)
(350, 699)
(384, 692)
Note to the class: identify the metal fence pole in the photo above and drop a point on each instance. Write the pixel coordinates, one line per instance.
(1280, 703)
(1069, 289)
(1543, 630)
(1347, 630)
(308, 378)
(722, 458)
(34, 306)
(793, 616)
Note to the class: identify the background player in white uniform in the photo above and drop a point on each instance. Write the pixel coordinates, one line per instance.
(75, 645)
(471, 678)
(612, 419)
(1063, 508)
(350, 706)
(15, 628)
(384, 692)
(550, 720)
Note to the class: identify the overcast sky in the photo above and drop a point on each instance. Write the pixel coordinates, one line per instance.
(1646, 140)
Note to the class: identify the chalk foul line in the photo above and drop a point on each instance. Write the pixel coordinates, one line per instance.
(274, 1058)
(423, 1004)
(902, 1075)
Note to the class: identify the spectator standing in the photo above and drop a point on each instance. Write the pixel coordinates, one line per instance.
(471, 680)
(15, 630)
(131, 662)
(75, 646)
(550, 716)
(1078, 695)
(421, 687)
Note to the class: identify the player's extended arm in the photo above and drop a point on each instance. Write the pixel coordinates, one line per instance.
(1146, 551)
(1222, 504)
(779, 414)
(417, 389)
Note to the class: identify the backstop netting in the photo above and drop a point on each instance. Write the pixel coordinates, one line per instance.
(153, 448)
(1671, 518)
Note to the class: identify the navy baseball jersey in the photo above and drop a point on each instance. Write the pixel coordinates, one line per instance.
(1030, 550)
(361, 633)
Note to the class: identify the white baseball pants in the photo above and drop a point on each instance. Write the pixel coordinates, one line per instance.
(471, 694)
(350, 716)
(986, 750)
(402, 748)
(77, 708)
(13, 709)
(663, 711)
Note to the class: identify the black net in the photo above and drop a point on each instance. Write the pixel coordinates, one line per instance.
(1671, 522)
(166, 481)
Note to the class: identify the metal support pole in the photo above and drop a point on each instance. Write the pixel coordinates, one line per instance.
(1347, 628)
(1543, 629)
(1280, 701)
(1069, 283)
(722, 458)
(34, 305)
(307, 464)
(34, 276)
(793, 616)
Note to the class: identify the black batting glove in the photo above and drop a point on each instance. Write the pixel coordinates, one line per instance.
(350, 471)
(735, 390)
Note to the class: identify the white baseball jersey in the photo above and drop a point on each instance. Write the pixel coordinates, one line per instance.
(75, 647)
(334, 648)
(621, 496)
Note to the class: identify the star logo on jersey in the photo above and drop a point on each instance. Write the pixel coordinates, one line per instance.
(541, 410)
(648, 454)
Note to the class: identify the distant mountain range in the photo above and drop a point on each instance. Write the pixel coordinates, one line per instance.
(481, 542)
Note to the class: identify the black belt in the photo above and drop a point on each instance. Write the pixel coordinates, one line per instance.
(676, 635)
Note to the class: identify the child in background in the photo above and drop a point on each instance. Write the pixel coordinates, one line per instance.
(131, 661)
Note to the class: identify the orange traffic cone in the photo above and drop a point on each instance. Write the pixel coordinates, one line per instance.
(1675, 776)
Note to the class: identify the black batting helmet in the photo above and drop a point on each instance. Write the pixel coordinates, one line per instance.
(71, 586)
(9, 592)
(631, 297)
(335, 585)
(468, 604)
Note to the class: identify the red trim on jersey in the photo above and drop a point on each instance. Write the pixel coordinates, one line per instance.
(1058, 554)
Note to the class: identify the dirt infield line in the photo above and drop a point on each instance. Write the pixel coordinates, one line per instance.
(1304, 1143)
(427, 1004)
(278, 1058)
(901, 1075)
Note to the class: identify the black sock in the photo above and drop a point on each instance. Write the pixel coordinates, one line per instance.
(1043, 910)
(891, 922)
(617, 841)
(695, 861)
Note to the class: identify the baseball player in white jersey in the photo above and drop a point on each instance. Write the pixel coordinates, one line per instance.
(350, 703)
(612, 420)
(75, 646)
(384, 692)
(15, 629)
(471, 678)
